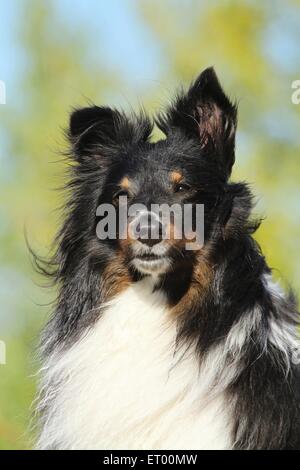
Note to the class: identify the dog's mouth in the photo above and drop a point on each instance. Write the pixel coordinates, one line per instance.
(151, 264)
(149, 257)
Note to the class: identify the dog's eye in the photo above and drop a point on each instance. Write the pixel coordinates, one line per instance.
(182, 187)
(118, 194)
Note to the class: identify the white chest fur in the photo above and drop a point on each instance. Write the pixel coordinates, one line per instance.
(121, 386)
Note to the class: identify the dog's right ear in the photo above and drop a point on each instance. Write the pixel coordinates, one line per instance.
(94, 128)
(91, 128)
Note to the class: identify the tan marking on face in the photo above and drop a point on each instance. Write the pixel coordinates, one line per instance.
(125, 183)
(176, 176)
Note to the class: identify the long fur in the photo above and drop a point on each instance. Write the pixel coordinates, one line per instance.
(203, 356)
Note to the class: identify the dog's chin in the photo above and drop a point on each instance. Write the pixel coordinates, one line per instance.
(153, 266)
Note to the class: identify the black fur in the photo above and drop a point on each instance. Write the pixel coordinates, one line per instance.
(200, 135)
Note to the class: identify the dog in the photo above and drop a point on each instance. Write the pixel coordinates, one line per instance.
(153, 345)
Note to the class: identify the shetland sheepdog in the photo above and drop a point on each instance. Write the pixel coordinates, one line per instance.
(153, 345)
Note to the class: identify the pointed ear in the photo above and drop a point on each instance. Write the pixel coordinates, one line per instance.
(205, 113)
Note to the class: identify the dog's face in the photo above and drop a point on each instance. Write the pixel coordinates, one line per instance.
(124, 170)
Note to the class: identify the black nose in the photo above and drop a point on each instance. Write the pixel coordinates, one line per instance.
(150, 234)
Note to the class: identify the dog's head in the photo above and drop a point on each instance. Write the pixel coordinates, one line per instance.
(118, 167)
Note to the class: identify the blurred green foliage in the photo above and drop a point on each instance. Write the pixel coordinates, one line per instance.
(230, 35)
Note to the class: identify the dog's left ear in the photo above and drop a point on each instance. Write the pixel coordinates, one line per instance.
(205, 113)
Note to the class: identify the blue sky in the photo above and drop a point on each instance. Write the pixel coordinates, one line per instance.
(126, 43)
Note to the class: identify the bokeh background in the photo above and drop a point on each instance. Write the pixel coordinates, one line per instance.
(57, 54)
